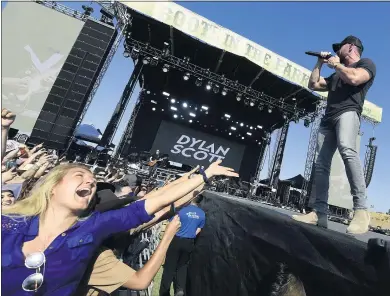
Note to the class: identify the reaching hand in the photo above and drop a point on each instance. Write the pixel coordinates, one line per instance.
(7, 118)
(32, 151)
(172, 228)
(8, 175)
(215, 169)
(193, 171)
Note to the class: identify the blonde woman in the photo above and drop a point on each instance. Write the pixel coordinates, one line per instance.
(47, 245)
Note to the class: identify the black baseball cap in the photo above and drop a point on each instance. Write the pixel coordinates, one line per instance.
(348, 40)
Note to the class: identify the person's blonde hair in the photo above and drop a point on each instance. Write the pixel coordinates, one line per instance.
(37, 201)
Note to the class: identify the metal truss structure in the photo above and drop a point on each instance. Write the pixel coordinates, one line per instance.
(128, 133)
(311, 151)
(277, 157)
(260, 161)
(153, 54)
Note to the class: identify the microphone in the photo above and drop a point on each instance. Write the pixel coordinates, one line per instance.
(318, 54)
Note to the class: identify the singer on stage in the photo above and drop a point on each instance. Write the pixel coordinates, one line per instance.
(347, 88)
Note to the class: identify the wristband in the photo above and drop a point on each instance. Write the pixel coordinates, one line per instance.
(203, 173)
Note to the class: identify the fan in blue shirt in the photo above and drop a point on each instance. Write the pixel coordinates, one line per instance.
(49, 238)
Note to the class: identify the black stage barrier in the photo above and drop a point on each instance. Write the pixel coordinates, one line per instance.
(242, 246)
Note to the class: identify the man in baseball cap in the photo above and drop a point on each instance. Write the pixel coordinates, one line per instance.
(347, 88)
(349, 40)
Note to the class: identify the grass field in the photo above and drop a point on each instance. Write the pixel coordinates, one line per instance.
(157, 280)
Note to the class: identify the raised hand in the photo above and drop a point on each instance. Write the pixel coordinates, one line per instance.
(7, 118)
(215, 169)
(9, 175)
(172, 228)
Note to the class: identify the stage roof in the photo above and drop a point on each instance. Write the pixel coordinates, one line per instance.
(211, 46)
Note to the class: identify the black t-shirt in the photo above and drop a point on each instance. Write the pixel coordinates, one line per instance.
(343, 97)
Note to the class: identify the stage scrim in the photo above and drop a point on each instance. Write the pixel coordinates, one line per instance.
(238, 251)
(38, 42)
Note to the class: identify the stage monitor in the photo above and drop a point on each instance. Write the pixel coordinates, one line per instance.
(37, 42)
(191, 147)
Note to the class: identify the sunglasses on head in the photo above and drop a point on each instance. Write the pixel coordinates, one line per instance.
(34, 281)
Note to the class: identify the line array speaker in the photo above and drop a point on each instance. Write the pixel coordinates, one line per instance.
(69, 94)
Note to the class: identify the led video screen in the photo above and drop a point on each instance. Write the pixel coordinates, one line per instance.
(36, 41)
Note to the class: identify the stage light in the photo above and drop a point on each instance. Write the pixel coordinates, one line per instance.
(192, 114)
(238, 97)
(261, 107)
(208, 86)
(154, 61)
(233, 128)
(134, 53)
(165, 68)
(190, 121)
(162, 110)
(185, 105)
(230, 134)
(252, 103)
(224, 91)
(227, 115)
(126, 54)
(146, 60)
(251, 127)
(269, 109)
(173, 108)
(306, 123)
(153, 101)
(294, 99)
(242, 138)
(166, 94)
(241, 124)
(154, 109)
(205, 108)
(284, 116)
(148, 92)
(246, 101)
(165, 51)
(175, 115)
(249, 134)
(198, 82)
(260, 127)
(216, 88)
(186, 76)
(173, 101)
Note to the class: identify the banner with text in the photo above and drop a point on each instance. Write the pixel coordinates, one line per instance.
(187, 146)
(211, 33)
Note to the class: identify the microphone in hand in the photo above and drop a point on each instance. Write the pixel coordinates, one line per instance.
(321, 55)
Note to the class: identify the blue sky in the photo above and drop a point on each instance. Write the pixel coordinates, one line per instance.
(288, 29)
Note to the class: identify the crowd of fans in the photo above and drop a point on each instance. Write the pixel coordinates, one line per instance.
(70, 229)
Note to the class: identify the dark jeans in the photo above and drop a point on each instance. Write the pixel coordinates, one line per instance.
(176, 263)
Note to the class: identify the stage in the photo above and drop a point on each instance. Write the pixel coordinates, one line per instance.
(244, 242)
(338, 227)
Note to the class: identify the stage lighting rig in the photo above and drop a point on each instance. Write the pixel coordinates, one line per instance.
(186, 76)
(269, 109)
(146, 60)
(211, 77)
(306, 122)
(260, 107)
(246, 101)
(106, 17)
(154, 61)
(166, 49)
(216, 88)
(224, 91)
(208, 86)
(126, 54)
